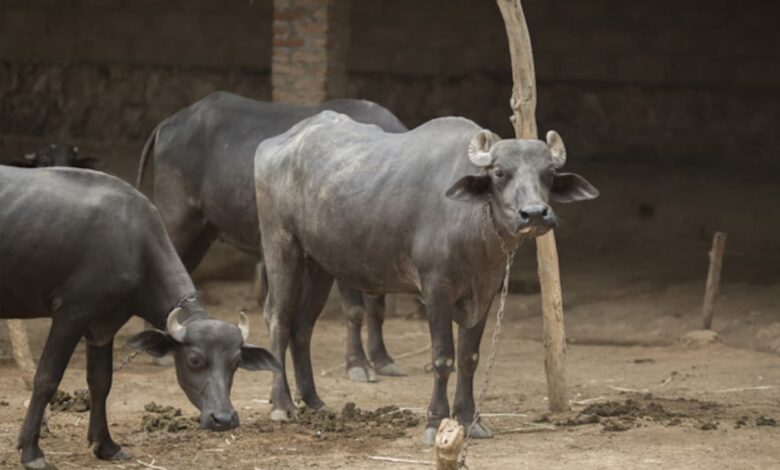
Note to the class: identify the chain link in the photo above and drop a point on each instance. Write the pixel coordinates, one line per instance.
(127, 360)
(510, 257)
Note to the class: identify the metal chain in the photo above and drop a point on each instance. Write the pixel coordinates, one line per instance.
(510, 257)
(127, 360)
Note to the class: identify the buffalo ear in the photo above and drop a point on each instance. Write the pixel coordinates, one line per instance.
(154, 342)
(472, 188)
(89, 162)
(257, 358)
(571, 187)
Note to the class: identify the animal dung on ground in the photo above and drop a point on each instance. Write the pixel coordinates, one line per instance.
(387, 421)
(616, 416)
(165, 418)
(78, 402)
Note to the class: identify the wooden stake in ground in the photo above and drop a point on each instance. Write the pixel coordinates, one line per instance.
(523, 103)
(21, 351)
(449, 443)
(713, 278)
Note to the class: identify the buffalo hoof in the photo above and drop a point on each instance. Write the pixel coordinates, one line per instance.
(390, 369)
(360, 374)
(39, 464)
(120, 456)
(112, 453)
(479, 431)
(429, 436)
(280, 416)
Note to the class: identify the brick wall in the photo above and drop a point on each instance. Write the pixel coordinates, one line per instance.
(310, 41)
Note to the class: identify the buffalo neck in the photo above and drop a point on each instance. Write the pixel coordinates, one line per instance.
(168, 286)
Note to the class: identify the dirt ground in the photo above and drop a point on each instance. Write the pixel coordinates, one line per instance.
(642, 399)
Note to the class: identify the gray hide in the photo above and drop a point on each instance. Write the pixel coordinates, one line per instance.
(89, 251)
(401, 213)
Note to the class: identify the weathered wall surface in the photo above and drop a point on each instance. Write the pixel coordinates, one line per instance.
(666, 84)
(106, 71)
(680, 80)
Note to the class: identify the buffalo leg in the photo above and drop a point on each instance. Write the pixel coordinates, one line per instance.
(261, 286)
(99, 372)
(442, 356)
(375, 318)
(315, 289)
(198, 247)
(62, 340)
(468, 358)
(284, 265)
(358, 367)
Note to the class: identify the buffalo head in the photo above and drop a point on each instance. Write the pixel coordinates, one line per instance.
(207, 353)
(519, 179)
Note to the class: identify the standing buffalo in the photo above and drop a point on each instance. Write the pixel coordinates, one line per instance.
(89, 251)
(427, 212)
(203, 185)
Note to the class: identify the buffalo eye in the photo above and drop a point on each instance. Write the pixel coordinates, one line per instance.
(499, 173)
(196, 361)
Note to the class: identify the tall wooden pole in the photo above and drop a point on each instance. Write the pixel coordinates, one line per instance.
(20, 346)
(523, 103)
(713, 278)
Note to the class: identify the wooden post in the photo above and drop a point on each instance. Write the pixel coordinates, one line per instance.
(449, 443)
(523, 103)
(713, 278)
(21, 351)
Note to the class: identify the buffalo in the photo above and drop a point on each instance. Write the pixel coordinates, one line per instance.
(203, 158)
(89, 251)
(432, 212)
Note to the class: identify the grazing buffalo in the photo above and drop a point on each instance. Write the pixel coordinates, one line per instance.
(426, 212)
(89, 251)
(57, 155)
(203, 185)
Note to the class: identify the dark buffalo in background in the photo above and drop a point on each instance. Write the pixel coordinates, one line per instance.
(56, 155)
(203, 160)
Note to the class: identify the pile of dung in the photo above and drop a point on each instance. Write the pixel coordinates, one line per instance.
(765, 421)
(623, 415)
(64, 401)
(387, 421)
(165, 418)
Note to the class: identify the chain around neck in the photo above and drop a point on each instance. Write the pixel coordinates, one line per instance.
(487, 213)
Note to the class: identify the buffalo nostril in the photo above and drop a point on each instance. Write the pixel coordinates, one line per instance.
(223, 421)
(534, 213)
